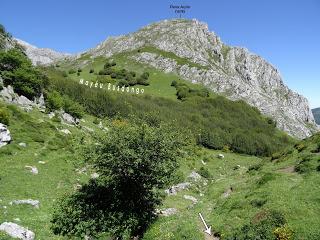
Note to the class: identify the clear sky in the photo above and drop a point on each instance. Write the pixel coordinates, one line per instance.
(284, 32)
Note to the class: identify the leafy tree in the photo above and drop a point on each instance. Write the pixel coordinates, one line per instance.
(133, 162)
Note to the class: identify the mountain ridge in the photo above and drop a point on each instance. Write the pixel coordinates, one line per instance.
(231, 71)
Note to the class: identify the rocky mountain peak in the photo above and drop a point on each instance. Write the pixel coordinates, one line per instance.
(41, 56)
(232, 71)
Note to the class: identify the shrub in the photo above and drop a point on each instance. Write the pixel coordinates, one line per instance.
(133, 162)
(16, 70)
(79, 70)
(64, 74)
(174, 83)
(113, 75)
(300, 147)
(91, 70)
(283, 233)
(255, 167)
(53, 101)
(204, 172)
(4, 116)
(78, 73)
(304, 165)
(72, 71)
(123, 82)
(73, 108)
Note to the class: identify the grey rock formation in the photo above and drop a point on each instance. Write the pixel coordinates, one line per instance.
(68, 119)
(42, 56)
(5, 136)
(16, 231)
(201, 57)
(8, 95)
(22, 144)
(194, 176)
(167, 212)
(33, 203)
(177, 188)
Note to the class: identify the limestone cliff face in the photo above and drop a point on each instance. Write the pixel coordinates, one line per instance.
(231, 71)
(41, 56)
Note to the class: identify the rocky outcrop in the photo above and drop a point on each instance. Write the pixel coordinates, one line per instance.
(5, 136)
(230, 71)
(8, 95)
(16, 231)
(42, 56)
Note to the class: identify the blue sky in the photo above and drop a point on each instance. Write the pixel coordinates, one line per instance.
(286, 33)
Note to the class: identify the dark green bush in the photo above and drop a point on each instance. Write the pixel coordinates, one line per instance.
(134, 163)
(304, 165)
(53, 101)
(91, 70)
(4, 116)
(16, 70)
(204, 172)
(79, 70)
(73, 108)
(72, 71)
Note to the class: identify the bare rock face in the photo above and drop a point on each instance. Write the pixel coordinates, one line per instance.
(33, 203)
(16, 231)
(5, 136)
(41, 56)
(199, 56)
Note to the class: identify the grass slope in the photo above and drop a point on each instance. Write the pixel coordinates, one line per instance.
(281, 184)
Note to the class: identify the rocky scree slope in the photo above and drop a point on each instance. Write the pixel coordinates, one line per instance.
(189, 49)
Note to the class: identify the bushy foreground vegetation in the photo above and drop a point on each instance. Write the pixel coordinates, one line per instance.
(134, 163)
(16, 70)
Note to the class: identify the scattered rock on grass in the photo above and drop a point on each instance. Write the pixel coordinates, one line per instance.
(16, 231)
(220, 155)
(194, 176)
(33, 203)
(193, 199)
(65, 131)
(32, 169)
(94, 175)
(167, 212)
(22, 144)
(177, 188)
(227, 192)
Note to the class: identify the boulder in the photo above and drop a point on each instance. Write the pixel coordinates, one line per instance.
(5, 136)
(167, 212)
(220, 155)
(51, 115)
(177, 188)
(33, 203)
(194, 176)
(16, 231)
(68, 119)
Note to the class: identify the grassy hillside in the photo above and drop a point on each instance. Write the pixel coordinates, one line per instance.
(288, 182)
(316, 114)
